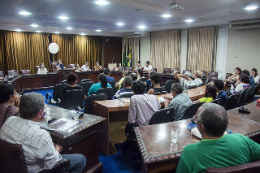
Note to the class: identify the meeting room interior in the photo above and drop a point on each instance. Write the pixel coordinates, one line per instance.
(129, 86)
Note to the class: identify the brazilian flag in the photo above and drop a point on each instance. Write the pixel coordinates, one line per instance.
(129, 57)
(124, 58)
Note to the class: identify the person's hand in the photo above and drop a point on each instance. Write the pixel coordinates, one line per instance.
(17, 100)
(58, 147)
(166, 103)
(167, 97)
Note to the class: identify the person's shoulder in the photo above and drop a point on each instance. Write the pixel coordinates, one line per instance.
(108, 85)
(10, 119)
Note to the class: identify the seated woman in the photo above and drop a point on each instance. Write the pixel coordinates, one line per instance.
(210, 94)
(138, 66)
(72, 81)
(9, 103)
(42, 69)
(102, 84)
(98, 67)
(243, 83)
(120, 83)
(254, 74)
(197, 76)
(77, 67)
(140, 74)
(235, 76)
(155, 81)
(116, 67)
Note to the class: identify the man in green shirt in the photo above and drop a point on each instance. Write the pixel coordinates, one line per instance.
(216, 149)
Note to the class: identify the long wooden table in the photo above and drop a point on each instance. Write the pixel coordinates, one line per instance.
(159, 154)
(82, 138)
(104, 108)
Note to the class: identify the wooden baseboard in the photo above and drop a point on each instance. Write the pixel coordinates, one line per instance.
(98, 168)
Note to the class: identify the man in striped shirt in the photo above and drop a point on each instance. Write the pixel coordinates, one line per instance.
(180, 101)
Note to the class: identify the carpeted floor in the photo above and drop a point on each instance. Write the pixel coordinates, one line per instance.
(117, 163)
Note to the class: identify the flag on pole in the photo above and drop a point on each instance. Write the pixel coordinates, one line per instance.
(124, 58)
(129, 57)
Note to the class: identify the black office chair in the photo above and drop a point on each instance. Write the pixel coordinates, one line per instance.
(143, 79)
(64, 81)
(57, 94)
(89, 102)
(126, 95)
(84, 80)
(242, 97)
(217, 101)
(73, 99)
(168, 85)
(86, 86)
(192, 110)
(206, 82)
(162, 116)
(249, 94)
(108, 91)
(253, 92)
(113, 84)
(193, 86)
(231, 102)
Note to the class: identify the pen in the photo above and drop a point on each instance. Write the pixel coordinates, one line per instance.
(80, 121)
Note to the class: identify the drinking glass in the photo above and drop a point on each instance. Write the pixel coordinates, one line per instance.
(121, 101)
(75, 115)
(47, 112)
(201, 90)
(174, 135)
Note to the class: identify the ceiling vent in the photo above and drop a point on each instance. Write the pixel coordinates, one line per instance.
(245, 24)
(136, 34)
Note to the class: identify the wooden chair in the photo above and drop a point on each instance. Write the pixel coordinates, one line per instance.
(36, 68)
(53, 64)
(12, 159)
(12, 72)
(129, 69)
(71, 65)
(228, 75)
(212, 75)
(155, 69)
(25, 71)
(253, 167)
(166, 70)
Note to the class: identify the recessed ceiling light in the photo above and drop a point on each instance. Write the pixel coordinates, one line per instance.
(120, 24)
(34, 25)
(63, 17)
(24, 13)
(38, 31)
(83, 34)
(18, 30)
(251, 7)
(189, 20)
(57, 32)
(101, 2)
(166, 15)
(141, 27)
(98, 30)
(69, 28)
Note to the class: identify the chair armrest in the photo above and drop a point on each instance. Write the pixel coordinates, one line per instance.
(62, 164)
(58, 102)
(48, 97)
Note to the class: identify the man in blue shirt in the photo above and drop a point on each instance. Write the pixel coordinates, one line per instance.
(127, 87)
(252, 80)
(106, 72)
(221, 94)
(59, 65)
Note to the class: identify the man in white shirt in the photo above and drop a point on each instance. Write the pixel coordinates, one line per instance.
(85, 67)
(148, 68)
(39, 150)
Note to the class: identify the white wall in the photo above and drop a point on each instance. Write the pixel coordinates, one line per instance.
(184, 45)
(221, 51)
(245, 45)
(145, 51)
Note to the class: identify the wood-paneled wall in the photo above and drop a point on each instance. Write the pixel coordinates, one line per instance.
(112, 47)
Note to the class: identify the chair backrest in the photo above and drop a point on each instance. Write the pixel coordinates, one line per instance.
(84, 80)
(231, 102)
(155, 69)
(26, 71)
(193, 86)
(242, 97)
(185, 71)
(162, 116)
(176, 69)
(71, 65)
(204, 74)
(72, 99)
(168, 85)
(12, 158)
(86, 85)
(57, 91)
(248, 93)
(217, 101)
(252, 167)
(64, 81)
(53, 64)
(93, 68)
(228, 75)
(253, 92)
(89, 102)
(191, 111)
(129, 69)
(12, 72)
(36, 68)
(1, 74)
(112, 83)
(167, 70)
(212, 75)
(126, 95)
(108, 91)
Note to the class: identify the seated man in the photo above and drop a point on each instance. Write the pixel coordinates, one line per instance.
(127, 87)
(59, 65)
(85, 67)
(219, 84)
(148, 68)
(142, 105)
(134, 76)
(179, 101)
(186, 79)
(215, 149)
(106, 72)
(155, 80)
(39, 150)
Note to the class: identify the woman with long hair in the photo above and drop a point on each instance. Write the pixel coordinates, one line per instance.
(235, 76)
(209, 96)
(101, 84)
(42, 69)
(254, 74)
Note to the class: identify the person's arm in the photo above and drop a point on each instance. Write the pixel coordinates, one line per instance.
(132, 112)
(182, 167)
(255, 148)
(239, 88)
(151, 91)
(38, 71)
(17, 100)
(120, 82)
(91, 90)
(57, 66)
(45, 71)
(196, 101)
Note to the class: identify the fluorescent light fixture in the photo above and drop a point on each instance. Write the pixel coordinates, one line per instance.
(83, 33)
(38, 31)
(24, 13)
(34, 25)
(18, 30)
(63, 17)
(251, 7)
(98, 30)
(166, 15)
(57, 32)
(141, 27)
(69, 28)
(120, 24)
(101, 2)
(189, 20)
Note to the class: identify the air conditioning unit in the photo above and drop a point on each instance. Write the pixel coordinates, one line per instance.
(136, 34)
(245, 24)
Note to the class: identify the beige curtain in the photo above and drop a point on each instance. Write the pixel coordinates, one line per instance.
(202, 49)
(165, 48)
(19, 51)
(133, 43)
